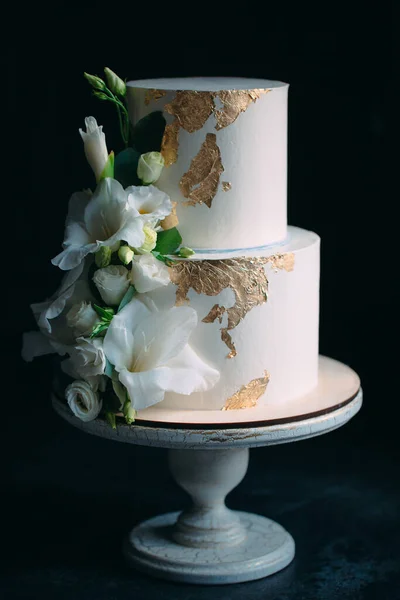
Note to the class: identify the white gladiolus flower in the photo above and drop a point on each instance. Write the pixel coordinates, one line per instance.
(83, 400)
(151, 355)
(95, 146)
(112, 283)
(81, 317)
(148, 273)
(87, 360)
(103, 219)
(55, 335)
(150, 202)
(150, 166)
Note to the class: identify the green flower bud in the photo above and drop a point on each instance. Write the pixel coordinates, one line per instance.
(100, 95)
(96, 82)
(150, 166)
(115, 83)
(150, 240)
(185, 252)
(129, 412)
(102, 258)
(125, 255)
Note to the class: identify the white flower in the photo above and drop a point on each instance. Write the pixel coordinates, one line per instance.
(148, 273)
(95, 146)
(150, 202)
(88, 361)
(83, 400)
(55, 335)
(102, 219)
(150, 352)
(81, 317)
(112, 283)
(150, 166)
(150, 240)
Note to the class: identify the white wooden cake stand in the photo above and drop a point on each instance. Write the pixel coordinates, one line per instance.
(208, 457)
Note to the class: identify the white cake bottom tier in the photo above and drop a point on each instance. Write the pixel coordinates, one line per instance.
(258, 317)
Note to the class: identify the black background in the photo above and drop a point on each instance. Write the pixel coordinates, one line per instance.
(71, 497)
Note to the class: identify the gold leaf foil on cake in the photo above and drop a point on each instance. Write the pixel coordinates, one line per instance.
(200, 183)
(171, 220)
(153, 95)
(248, 394)
(226, 186)
(169, 143)
(245, 276)
(191, 109)
(282, 261)
(215, 313)
(234, 102)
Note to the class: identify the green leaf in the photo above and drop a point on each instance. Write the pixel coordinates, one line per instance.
(128, 412)
(147, 134)
(108, 170)
(109, 369)
(127, 298)
(111, 420)
(106, 314)
(98, 329)
(125, 167)
(168, 241)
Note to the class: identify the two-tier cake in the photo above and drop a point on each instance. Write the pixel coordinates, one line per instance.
(227, 321)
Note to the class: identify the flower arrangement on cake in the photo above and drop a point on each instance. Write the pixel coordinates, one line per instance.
(120, 352)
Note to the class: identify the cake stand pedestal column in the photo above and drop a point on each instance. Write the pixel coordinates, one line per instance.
(209, 543)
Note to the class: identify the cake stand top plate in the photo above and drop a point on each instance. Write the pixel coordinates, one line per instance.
(336, 399)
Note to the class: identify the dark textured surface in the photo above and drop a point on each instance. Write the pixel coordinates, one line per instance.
(74, 496)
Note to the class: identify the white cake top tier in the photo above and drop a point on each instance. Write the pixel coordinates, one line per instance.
(225, 151)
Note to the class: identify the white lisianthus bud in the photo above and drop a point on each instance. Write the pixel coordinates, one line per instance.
(150, 166)
(102, 258)
(95, 146)
(150, 239)
(185, 252)
(83, 400)
(125, 255)
(112, 283)
(148, 273)
(115, 83)
(82, 318)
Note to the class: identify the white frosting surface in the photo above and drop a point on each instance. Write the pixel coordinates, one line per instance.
(280, 335)
(206, 84)
(253, 150)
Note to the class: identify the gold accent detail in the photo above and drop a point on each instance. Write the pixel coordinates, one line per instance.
(226, 186)
(245, 276)
(169, 143)
(191, 108)
(282, 261)
(153, 95)
(200, 182)
(248, 394)
(215, 313)
(171, 220)
(235, 102)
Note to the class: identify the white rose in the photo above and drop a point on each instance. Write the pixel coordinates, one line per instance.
(150, 166)
(82, 318)
(148, 273)
(83, 400)
(112, 283)
(89, 360)
(95, 146)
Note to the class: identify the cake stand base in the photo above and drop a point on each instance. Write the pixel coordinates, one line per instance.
(267, 548)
